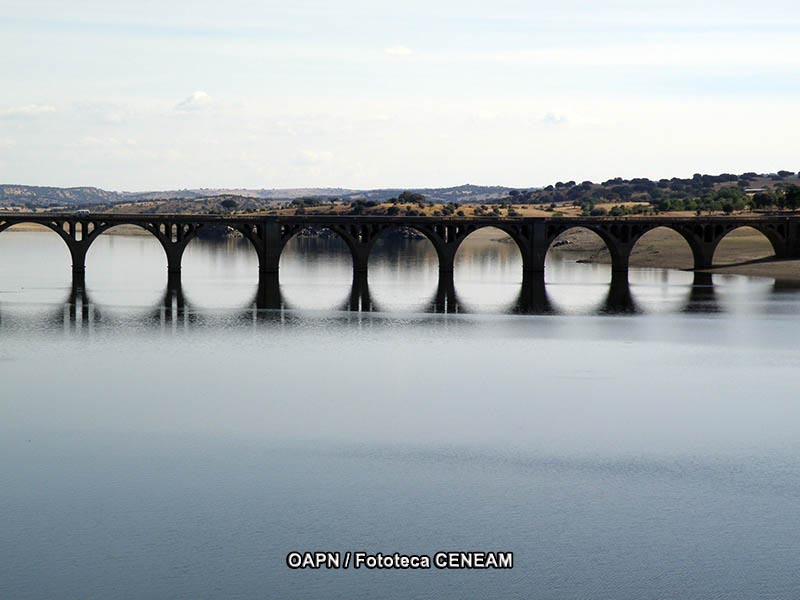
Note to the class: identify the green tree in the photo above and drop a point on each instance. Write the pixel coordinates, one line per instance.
(412, 198)
(791, 196)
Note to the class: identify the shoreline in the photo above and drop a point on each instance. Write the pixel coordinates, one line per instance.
(742, 252)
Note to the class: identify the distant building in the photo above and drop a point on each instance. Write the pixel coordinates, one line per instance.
(754, 190)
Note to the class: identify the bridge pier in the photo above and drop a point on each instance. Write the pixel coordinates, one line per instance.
(703, 253)
(533, 261)
(447, 260)
(360, 300)
(268, 295)
(78, 300)
(445, 300)
(78, 250)
(173, 302)
(360, 260)
(702, 297)
(619, 298)
(533, 298)
(620, 260)
(268, 247)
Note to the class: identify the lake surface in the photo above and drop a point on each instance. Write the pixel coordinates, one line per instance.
(624, 444)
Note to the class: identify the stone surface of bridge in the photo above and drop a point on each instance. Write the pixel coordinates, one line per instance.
(533, 236)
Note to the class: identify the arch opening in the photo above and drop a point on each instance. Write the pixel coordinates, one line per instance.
(487, 271)
(35, 268)
(219, 269)
(662, 248)
(126, 268)
(578, 271)
(403, 270)
(316, 270)
(659, 277)
(741, 245)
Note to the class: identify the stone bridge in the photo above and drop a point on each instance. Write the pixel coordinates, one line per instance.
(533, 236)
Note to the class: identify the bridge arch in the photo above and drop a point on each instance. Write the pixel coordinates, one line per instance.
(609, 244)
(54, 226)
(647, 247)
(404, 268)
(662, 258)
(135, 283)
(754, 243)
(316, 267)
(488, 270)
(436, 242)
(350, 240)
(585, 288)
(220, 270)
(485, 231)
(508, 231)
(34, 280)
(100, 229)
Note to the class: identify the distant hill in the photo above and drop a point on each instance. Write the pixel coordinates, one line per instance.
(38, 196)
(44, 197)
(726, 192)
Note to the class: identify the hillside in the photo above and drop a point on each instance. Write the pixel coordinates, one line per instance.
(42, 197)
(716, 193)
(51, 197)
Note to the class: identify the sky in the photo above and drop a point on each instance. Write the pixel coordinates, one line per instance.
(145, 95)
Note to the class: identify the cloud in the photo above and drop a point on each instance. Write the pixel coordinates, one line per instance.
(398, 51)
(552, 118)
(197, 101)
(312, 157)
(93, 141)
(713, 50)
(26, 112)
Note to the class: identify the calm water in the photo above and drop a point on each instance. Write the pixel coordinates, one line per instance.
(630, 445)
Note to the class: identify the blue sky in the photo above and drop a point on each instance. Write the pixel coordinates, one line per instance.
(152, 95)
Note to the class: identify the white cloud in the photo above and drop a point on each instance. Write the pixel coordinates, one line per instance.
(197, 101)
(94, 141)
(27, 111)
(398, 51)
(685, 50)
(552, 118)
(312, 157)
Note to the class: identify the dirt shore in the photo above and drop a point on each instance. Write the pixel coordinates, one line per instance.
(742, 252)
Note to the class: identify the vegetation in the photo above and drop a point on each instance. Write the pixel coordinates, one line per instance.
(701, 193)
(710, 194)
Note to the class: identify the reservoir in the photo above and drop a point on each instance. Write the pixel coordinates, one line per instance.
(629, 444)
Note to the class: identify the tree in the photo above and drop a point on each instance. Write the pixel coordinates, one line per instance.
(229, 203)
(412, 198)
(791, 196)
(764, 199)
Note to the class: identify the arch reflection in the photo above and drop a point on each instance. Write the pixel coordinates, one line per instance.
(707, 294)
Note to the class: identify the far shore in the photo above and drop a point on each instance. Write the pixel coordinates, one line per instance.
(742, 252)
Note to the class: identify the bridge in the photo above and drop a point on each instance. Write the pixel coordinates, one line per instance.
(533, 236)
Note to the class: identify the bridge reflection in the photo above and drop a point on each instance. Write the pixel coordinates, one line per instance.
(78, 311)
